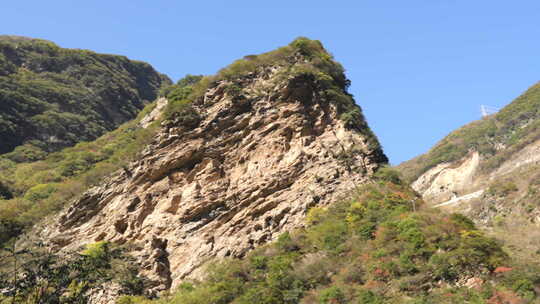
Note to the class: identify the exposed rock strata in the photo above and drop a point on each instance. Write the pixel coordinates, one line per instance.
(248, 171)
(448, 180)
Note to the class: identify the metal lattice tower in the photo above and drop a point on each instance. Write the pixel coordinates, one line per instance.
(487, 110)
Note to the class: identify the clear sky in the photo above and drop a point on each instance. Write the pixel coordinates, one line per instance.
(419, 69)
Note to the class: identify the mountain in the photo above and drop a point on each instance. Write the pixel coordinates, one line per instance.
(489, 170)
(52, 97)
(262, 184)
(240, 159)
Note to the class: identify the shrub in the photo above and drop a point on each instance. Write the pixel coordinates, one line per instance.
(329, 235)
(331, 295)
(315, 215)
(97, 251)
(368, 297)
(39, 192)
(462, 221)
(502, 188)
(524, 288)
(131, 300)
(286, 243)
(388, 174)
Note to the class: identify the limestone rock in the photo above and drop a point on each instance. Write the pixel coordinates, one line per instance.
(246, 172)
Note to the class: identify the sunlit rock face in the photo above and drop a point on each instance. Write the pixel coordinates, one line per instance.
(246, 171)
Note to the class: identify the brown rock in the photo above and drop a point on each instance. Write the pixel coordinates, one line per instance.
(248, 171)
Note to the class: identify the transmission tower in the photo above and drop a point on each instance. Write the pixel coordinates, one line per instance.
(487, 110)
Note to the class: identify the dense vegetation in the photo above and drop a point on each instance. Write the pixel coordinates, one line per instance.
(371, 249)
(39, 276)
(514, 127)
(51, 97)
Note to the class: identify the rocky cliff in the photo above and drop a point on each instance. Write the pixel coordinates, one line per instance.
(231, 170)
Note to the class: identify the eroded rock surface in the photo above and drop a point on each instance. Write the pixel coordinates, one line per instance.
(247, 171)
(447, 181)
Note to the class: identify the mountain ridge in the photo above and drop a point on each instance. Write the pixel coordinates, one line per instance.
(261, 184)
(489, 170)
(230, 166)
(52, 97)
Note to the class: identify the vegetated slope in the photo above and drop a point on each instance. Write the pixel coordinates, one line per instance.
(489, 169)
(376, 244)
(51, 97)
(34, 190)
(496, 138)
(371, 248)
(240, 158)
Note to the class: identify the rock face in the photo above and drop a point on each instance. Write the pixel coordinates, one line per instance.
(246, 172)
(155, 114)
(447, 180)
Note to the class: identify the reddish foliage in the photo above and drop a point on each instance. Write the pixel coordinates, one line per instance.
(502, 269)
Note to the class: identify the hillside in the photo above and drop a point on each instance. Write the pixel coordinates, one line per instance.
(496, 138)
(261, 184)
(52, 97)
(489, 170)
(372, 248)
(239, 159)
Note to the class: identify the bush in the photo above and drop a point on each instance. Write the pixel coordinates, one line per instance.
(502, 188)
(39, 192)
(332, 295)
(388, 174)
(286, 243)
(97, 251)
(329, 235)
(368, 297)
(524, 288)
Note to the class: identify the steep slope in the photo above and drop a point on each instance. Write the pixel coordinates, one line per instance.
(489, 169)
(34, 190)
(371, 248)
(241, 158)
(51, 97)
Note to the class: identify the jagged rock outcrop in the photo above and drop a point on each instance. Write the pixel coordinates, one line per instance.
(245, 171)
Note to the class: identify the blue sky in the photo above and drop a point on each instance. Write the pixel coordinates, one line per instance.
(419, 69)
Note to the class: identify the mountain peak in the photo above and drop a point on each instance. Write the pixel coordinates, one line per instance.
(241, 156)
